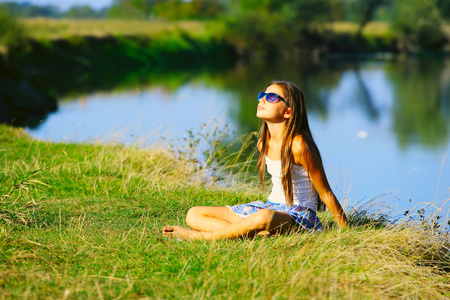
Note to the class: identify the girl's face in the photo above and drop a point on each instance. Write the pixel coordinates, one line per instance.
(272, 112)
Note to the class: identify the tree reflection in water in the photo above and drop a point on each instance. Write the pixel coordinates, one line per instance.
(386, 117)
(422, 99)
(419, 89)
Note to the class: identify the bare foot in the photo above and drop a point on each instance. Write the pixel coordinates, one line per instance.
(177, 232)
(264, 233)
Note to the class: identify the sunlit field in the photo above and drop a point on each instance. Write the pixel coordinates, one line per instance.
(351, 27)
(85, 220)
(39, 28)
(62, 28)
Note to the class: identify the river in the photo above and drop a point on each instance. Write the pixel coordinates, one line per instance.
(383, 127)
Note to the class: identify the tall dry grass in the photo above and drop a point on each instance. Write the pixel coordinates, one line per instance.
(96, 233)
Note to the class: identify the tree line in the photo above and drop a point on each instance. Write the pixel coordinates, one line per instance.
(262, 24)
(301, 24)
(27, 10)
(123, 9)
(349, 10)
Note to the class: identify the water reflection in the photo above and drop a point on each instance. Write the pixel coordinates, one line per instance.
(141, 115)
(416, 93)
(382, 126)
(422, 98)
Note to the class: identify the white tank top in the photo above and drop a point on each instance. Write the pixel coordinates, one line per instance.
(303, 191)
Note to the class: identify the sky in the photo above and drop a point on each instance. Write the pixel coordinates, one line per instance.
(66, 4)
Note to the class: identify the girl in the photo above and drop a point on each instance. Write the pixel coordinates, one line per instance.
(299, 182)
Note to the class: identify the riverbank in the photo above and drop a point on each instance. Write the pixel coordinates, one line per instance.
(88, 218)
(105, 51)
(174, 50)
(43, 28)
(53, 29)
(29, 89)
(89, 52)
(76, 45)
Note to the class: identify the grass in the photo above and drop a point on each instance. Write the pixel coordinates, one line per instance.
(105, 45)
(43, 28)
(95, 214)
(372, 27)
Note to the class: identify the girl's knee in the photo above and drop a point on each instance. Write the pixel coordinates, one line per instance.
(192, 214)
(261, 220)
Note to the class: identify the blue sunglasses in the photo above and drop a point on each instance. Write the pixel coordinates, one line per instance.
(270, 97)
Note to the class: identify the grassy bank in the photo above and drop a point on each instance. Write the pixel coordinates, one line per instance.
(80, 45)
(338, 38)
(87, 219)
(372, 28)
(42, 28)
(377, 36)
(29, 89)
(174, 50)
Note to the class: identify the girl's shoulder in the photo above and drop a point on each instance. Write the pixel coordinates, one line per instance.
(299, 144)
(300, 149)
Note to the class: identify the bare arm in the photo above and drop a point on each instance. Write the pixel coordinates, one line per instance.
(310, 160)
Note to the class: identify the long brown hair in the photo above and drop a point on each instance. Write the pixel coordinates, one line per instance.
(297, 124)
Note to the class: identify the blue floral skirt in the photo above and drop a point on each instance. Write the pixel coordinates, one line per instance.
(303, 216)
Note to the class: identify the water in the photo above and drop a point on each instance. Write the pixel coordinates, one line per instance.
(383, 127)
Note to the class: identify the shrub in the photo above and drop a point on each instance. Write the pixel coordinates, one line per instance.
(278, 27)
(12, 33)
(419, 23)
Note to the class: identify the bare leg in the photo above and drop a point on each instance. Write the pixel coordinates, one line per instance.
(206, 218)
(263, 220)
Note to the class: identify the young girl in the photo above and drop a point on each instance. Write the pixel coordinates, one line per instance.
(299, 182)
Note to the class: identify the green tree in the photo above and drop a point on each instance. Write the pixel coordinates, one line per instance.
(81, 12)
(195, 9)
(278, 26)
(132, 9)
(420, 24)
(444, 8)
(12, 33)
(26, 10)
(365, 12)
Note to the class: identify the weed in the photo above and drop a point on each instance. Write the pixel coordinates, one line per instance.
(15, 206)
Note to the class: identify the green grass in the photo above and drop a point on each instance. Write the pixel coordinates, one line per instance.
(106, 45)
(96, 233)
(351, 27)
(42, 28)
